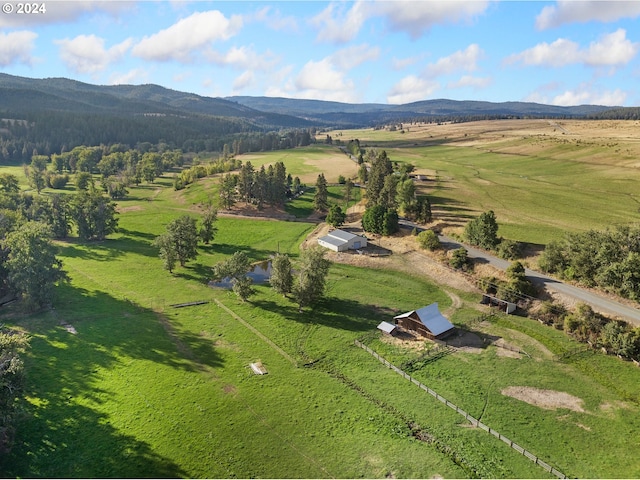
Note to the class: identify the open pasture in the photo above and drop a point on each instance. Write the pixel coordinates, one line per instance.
(541, 177)
(146, 390)
(308, 162)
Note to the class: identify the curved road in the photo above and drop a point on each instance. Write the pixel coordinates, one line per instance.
(597, 302)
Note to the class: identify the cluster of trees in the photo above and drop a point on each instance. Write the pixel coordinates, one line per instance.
(179, 243)
(390, 190)
(201, 170)
(606, 259)
(482, 232)
(271, 185)
(585, 325)
(28, 223)
(306, 285)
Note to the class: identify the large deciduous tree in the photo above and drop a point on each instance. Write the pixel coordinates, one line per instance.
(32, 267)
(281, 278)
(310, 279)
(483, 231)
(208, 229)
(183, 233)
(236, 269)
(94, 215)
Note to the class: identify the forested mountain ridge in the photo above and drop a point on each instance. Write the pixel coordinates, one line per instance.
(372, 113)
(52, 115)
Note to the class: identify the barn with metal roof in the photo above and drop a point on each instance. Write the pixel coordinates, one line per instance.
(427, 321)
(341, 241)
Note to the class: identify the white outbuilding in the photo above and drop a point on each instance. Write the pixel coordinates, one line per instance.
(341, 241)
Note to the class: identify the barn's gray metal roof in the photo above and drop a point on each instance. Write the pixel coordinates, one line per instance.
(337, 242)
(431, 318)
(342, 235)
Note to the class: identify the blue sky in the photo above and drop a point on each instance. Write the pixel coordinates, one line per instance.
(562, 52)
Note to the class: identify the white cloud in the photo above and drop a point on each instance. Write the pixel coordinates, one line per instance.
(337, 26)
(186, 37)
(246, 79)
(322, 77)
(86, 53)
(412, 89)
(65, 11)
(417, 18)
(583, 94)
(584, 97)
(572, 11)
(16, 47)
(557, 54)
(610, 50)
(244, 58)
(136, 76)
(275, 20)
(462, 60)
(351, 57)
(471, 81)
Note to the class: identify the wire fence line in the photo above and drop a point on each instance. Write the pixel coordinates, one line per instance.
(474, 421)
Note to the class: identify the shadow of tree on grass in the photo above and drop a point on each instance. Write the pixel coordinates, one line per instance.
(64, 433)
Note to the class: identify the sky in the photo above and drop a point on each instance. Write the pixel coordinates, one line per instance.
(564, 52)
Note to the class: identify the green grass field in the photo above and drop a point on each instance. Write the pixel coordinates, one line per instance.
(147, 390)
(539, 187)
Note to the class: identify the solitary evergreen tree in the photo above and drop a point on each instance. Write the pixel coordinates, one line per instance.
(321, 197)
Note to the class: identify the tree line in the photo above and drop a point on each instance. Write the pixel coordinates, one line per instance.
(25, 134)
(29, 268)
(270, 185)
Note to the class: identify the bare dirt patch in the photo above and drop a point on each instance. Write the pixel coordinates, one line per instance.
(547, 399)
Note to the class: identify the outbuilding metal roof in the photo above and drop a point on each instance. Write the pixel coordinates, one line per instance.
(336, 242)
(431, 318)
(386, 327)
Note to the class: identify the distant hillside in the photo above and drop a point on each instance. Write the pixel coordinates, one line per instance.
(376, 113)
(60, 113)
(19, 94)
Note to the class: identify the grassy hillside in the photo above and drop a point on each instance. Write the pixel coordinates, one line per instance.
(540, 178)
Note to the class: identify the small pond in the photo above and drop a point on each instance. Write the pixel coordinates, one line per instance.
(259, 273)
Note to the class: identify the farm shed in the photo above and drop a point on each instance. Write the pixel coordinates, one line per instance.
(507, 307)
(341, 241)
(388, 328)
(427, 321)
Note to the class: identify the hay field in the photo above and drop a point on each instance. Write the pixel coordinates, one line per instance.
(541, 177)
(308, 162)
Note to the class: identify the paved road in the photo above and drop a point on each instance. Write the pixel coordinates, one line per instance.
(597, 302)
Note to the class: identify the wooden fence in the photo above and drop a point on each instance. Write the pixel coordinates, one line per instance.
(475, 422)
